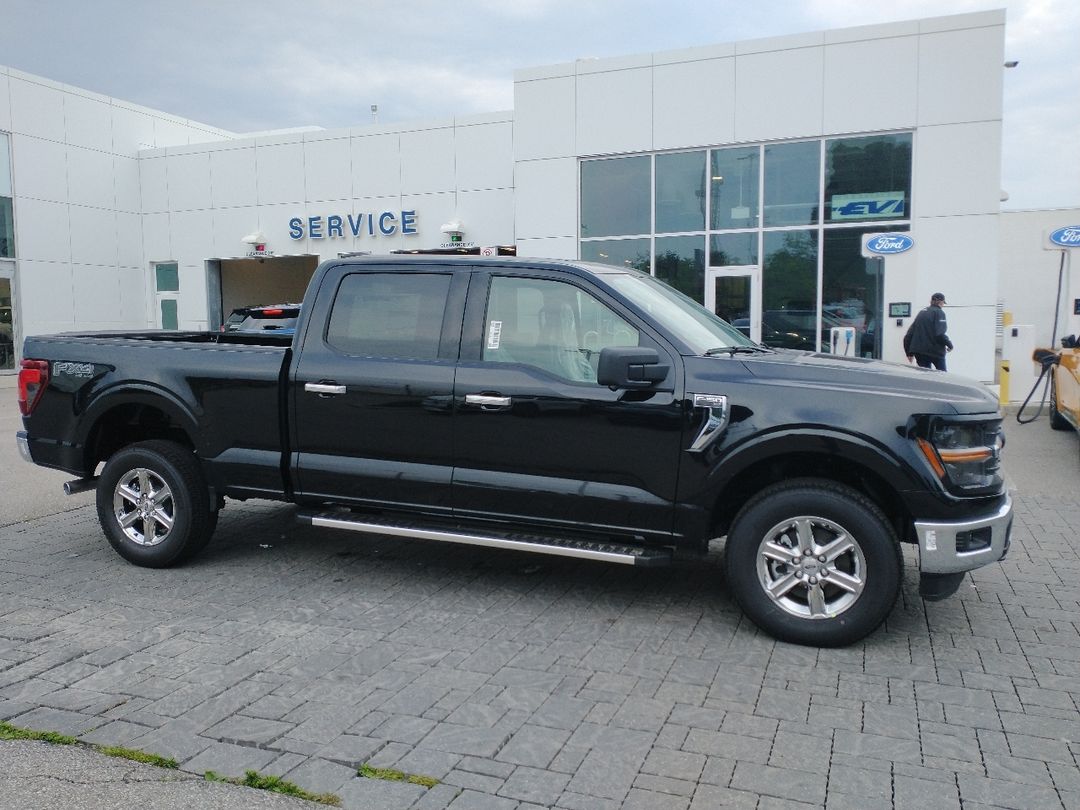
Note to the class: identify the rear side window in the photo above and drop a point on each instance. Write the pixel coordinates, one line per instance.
(397, 315)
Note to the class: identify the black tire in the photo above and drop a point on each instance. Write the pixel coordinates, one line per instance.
(859, 586)
(160, 490)
(1057, 421)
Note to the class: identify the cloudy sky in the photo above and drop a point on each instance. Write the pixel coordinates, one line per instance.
(253, 65)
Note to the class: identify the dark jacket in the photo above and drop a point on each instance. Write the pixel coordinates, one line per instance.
(926, 335)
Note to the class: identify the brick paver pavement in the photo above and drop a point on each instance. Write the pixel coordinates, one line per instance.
(521, 681)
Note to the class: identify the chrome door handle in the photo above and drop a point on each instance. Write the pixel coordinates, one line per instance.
(487, 400)
(324, 388)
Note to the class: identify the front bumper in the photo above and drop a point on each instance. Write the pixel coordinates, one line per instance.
(952, 547)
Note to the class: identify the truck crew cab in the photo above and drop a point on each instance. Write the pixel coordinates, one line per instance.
(552, 406)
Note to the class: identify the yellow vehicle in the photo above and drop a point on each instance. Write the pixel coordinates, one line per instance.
(1065, 387)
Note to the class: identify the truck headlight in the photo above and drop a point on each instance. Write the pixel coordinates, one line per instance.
(966, 455)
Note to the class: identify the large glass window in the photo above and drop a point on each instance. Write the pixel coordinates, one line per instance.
(789, 289)
(792, 183)
(733, 180)
(7, 224)
(633, 253)
(680, 192)
(615, 196)
(868, 178)
(395, 315)
(680, 261)
(728, 249)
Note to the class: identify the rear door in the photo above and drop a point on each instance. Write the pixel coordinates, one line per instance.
(538, 439)
(372, 389)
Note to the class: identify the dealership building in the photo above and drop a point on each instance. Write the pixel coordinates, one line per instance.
(748, 175)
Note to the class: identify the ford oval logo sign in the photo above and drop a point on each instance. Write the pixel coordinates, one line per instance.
(886, 244)
(1069, 236)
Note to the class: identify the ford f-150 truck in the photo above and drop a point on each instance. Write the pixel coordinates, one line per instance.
(551, 406)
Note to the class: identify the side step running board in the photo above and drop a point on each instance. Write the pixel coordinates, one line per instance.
(539, 544)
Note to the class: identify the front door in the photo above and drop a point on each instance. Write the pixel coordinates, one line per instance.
(372, 393)
(734, 293)
(536, 437)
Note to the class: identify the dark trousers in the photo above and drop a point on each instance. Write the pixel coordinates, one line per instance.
(931, 360)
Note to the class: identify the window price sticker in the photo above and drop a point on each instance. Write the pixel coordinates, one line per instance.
(494, 334)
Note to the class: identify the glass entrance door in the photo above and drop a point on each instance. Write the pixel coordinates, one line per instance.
(734, 293)
(7, 322)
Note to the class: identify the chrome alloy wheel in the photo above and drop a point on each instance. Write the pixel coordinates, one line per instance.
(811, 567)
(144, 507)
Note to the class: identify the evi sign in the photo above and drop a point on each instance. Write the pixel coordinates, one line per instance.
(337, 226)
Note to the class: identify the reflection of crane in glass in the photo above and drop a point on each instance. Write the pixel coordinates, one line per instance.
(743, 211)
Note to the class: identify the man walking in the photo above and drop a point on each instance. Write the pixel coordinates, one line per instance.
(926, 342)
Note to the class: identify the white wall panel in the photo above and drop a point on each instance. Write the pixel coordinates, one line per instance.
(959, 257)
(97, 294)
(427, 161)
(488, 216)
(189, 181)
(42, 231)
(376, 165)
(36, 110)
(133, 310)
(40, 168)
(545, 194)
(544, 124)
(779, 94)
(957, 170)
(558, 247)
(273, 223)
(432, 210)
(871, 85)
(280, 173)
(156, 239)
(614, 112)
(46, 295)
(129, 240)
(191, 236)
(93, 235)
(153, 184)
(232, 177)
(230, 226)
(328, 169)
(5, 103)
(485, 156)
(126, 180)
(694, 103)
(132, 130)
(90, 178)
(961, 75)
(170, 133)
(88, 122)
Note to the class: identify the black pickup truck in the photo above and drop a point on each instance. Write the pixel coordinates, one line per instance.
(551, 406)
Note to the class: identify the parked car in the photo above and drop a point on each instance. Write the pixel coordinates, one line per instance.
(555, 407)
(279, 318)
(791, 328)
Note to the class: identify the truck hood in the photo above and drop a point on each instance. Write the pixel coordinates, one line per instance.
(853, 376)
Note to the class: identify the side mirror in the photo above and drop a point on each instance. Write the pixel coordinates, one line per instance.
(630, 367)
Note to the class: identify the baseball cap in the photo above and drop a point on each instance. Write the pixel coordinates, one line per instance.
(938, 297)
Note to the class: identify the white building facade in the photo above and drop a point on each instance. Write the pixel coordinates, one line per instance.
(745, 174)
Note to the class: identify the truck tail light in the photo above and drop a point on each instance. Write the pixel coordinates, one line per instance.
(33, 379)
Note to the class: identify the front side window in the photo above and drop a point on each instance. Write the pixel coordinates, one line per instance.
(552, 326)
(392, 315)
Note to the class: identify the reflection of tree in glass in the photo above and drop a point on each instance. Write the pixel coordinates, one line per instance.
(684, 273)
(790, 278)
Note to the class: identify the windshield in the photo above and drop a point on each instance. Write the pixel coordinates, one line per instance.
(681, 316)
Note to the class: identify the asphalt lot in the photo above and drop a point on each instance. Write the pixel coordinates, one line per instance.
(520, 681)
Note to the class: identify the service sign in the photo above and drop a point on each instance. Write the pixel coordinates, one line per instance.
(1068, 237)
(888, 244)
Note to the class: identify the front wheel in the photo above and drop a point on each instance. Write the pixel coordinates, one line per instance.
(154, 505)
(813, 562)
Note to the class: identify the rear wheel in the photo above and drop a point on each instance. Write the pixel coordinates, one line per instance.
(1057, 421)
(813, 562)
(153, 504)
